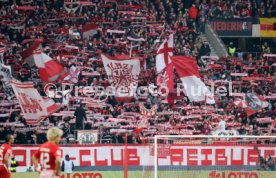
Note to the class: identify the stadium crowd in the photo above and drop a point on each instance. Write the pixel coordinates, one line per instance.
(61, 26)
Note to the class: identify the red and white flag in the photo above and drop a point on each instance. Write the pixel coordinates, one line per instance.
(164, 53)
(34, 107)
(166, 78)
(71, 75)
(123, 76)
(32, 53)
(194, 88)
(89, 30)
(255, 103)
(49, 69)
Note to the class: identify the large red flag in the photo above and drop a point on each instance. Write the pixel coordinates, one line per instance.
(166, 79)
(188, 72)
(170, 80)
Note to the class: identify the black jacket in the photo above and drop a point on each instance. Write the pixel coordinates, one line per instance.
(80, 114)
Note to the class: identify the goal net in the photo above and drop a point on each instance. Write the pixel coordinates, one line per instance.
(191, 156)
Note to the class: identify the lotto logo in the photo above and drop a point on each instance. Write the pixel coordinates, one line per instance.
(231, 174)
(82, 175)
(214, 174)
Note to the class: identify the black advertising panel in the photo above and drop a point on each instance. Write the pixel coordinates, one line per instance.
(233, 27)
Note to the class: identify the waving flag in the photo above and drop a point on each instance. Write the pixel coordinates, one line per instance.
(89, 30)
(32, 53)
(122, 75)
(33, 106)
(49, 69)
(164, 53)
(194, 88)
(255, 103)
(166, 78)
(72, 75)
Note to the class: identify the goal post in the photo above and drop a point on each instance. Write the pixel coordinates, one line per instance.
(198, 156)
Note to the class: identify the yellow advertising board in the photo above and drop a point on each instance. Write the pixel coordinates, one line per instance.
(267, 27)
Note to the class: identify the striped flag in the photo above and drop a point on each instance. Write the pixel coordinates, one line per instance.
(194, 88)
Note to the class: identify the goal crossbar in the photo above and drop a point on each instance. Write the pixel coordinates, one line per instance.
(156, 137)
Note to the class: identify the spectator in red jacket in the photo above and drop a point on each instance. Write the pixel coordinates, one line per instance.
(193, 12)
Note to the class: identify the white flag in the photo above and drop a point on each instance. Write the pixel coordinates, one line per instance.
(164, 53)
(123, 76)
(34, 107)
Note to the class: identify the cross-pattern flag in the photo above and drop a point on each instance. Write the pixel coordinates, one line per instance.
(164, 53)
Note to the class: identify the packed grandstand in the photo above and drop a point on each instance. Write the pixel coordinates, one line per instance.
(77, 33)
(117, 73)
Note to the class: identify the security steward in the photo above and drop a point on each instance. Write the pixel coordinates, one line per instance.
(231, 49)
(14, 164)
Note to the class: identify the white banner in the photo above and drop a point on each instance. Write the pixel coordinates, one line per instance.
(33, 106)
(197, 155)
(123, 75)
